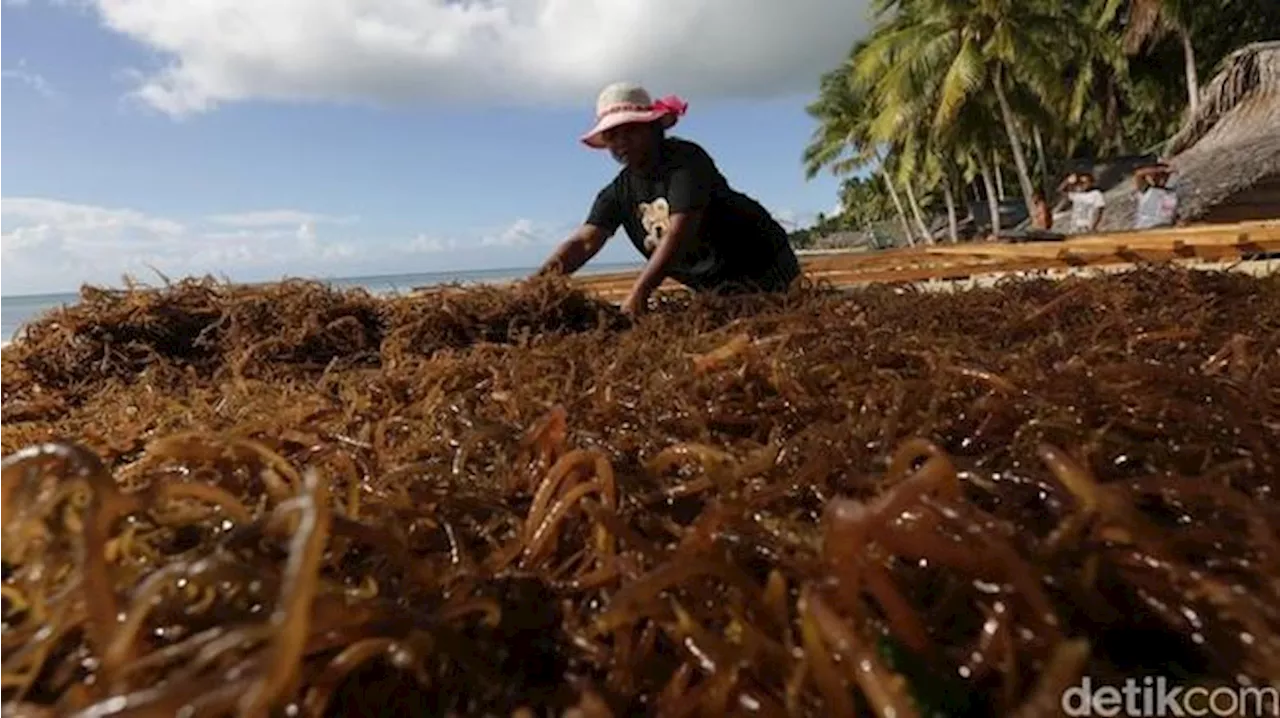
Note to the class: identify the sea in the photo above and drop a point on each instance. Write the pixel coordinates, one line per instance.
(18, 310)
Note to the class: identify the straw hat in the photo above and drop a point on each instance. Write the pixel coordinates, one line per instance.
(623, 103)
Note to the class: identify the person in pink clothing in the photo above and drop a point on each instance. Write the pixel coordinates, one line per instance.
(678, 210)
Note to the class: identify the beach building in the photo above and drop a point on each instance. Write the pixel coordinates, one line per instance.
(1227, 157)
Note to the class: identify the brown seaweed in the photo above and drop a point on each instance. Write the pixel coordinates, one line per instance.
(513, 501)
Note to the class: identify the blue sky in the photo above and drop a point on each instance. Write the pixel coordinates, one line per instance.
(260, 138)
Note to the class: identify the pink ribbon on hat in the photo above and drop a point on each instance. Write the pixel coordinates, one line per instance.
(672, 104)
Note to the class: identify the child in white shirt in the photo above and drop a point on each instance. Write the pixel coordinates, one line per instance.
(1087, 202)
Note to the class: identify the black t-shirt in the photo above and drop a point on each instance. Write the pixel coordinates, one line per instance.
(737, 241)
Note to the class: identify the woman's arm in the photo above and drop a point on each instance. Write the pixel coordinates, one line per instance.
(602, 221)
(688, 195)
(575, 251)
(684, 225)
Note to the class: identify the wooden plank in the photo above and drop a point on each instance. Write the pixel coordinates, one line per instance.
(1148, 247)
(1261, 230)
(911, 264)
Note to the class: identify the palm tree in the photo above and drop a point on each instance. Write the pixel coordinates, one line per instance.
(1099, 85)
(915, 212)
(941, 55)
(842, 141)
(989, 185)
(942, 172)
(915, 160)
(1149, 20)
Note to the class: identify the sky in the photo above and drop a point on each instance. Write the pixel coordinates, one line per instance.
(258, 139)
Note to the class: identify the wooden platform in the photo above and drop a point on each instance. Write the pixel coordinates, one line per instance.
(1203, 243)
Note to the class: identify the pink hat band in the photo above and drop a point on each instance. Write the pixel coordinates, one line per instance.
(624, 103)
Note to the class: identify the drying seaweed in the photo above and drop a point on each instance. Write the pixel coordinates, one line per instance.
(510, 501)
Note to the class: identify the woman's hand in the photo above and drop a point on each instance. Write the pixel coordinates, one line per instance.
(683, 226)
(635, 304)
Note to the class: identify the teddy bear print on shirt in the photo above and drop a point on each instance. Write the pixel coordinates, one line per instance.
(655, 217)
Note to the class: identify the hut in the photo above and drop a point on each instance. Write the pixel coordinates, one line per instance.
(1226, 156)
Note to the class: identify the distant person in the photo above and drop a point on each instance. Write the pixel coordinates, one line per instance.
(676, 207)
(1157, 202)
(1041, 215)
(1087, 202)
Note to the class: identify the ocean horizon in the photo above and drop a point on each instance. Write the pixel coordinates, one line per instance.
(20, 309)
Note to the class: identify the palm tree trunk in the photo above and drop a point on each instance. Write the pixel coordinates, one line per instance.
(993, 206)
(1112, 134)
(897, 203)
(1193, 79)
(995, 162)
(951, 211)
(1020, 160)
(915, 210)
(1044, 164)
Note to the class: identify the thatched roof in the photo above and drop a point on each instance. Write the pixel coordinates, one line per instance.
(1231, 144)
(1242, 99)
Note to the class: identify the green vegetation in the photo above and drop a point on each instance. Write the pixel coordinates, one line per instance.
(866, 208)
(949, 101)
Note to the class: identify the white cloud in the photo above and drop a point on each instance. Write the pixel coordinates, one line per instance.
(785, 217)
(33, 80)
(50, 245)
(521, 233)
(47, 244)
(521, 51)
(275, 218)
(428, 244)
(79, 218)
(792, 220)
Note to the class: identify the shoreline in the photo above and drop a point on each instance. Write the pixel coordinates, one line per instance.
(499, 275)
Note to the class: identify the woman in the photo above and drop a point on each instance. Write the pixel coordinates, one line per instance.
(676, 207)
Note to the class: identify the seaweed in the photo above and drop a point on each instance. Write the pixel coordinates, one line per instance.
(289, 498)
